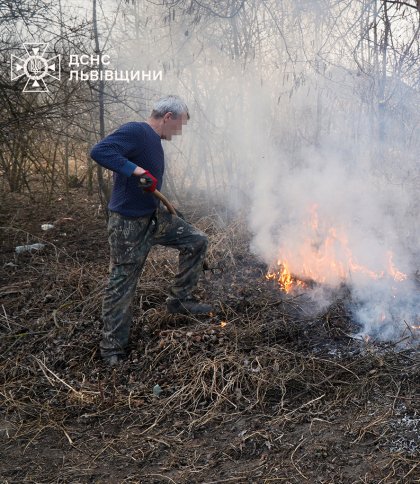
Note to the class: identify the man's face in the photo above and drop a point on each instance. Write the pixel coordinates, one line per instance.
(172, 126)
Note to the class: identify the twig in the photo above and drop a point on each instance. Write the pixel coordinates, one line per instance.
(291, 459)
(411, 470)
(159, 475)
(67, 435)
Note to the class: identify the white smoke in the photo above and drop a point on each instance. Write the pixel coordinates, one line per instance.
(344, 209)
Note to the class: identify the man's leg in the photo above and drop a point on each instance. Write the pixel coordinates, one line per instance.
(192, 245)
(129, 241)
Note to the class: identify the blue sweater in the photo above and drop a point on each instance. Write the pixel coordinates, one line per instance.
(132, 144)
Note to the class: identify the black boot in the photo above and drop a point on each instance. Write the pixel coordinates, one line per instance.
(187, 306)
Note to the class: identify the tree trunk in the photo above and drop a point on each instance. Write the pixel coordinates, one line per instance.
(104, 190)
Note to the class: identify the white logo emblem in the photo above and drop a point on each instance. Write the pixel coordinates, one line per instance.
(35, 66)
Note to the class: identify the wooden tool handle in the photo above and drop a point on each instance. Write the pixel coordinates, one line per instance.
(165, 201)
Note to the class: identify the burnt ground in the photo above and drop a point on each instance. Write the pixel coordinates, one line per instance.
(260, 391)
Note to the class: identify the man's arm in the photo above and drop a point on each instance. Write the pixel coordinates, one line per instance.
(113, 152)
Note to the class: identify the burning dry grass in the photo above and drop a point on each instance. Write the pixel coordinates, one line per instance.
(258, 392)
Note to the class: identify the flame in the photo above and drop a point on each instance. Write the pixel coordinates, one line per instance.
(396, 274)
(223, 324)
(324, 256)
(283, 276)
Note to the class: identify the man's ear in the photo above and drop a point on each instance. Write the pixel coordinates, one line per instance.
(168, 115)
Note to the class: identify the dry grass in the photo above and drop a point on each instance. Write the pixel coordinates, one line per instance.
(259, 392)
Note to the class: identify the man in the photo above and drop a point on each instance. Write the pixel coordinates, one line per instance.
(135, 224)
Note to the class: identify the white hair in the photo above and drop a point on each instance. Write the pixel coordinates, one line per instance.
(169, 104)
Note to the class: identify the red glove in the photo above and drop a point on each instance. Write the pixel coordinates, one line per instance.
(147, 181)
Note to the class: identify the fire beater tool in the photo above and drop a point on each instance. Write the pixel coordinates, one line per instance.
(145, 183)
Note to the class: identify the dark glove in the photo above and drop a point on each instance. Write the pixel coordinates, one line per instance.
(147, 181)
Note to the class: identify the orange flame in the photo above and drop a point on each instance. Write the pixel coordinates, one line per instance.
(396, 274)
(324, 256)
(284, 277)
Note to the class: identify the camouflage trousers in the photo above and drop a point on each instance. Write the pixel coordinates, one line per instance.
(130, 241)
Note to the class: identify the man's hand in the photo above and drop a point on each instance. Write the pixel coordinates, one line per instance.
(147, 181)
